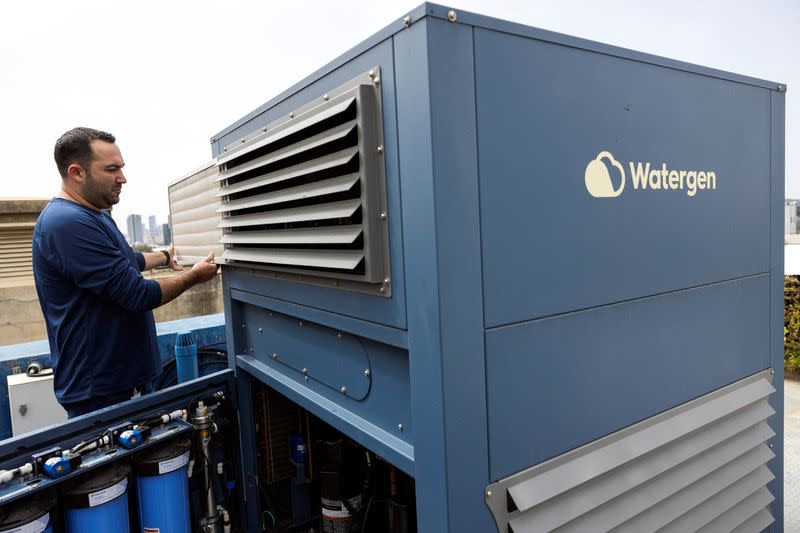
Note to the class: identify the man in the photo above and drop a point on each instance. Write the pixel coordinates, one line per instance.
(96, 304)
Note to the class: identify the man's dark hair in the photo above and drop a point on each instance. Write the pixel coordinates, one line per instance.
(75, 147)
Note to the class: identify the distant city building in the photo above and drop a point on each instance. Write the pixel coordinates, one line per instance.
(135, 229)
(152, 230)
(791, 220)
(166, 233)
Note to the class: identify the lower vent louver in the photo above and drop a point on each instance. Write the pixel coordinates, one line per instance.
(698, 467)
(305, 196)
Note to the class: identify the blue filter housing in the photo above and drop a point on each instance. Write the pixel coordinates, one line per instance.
(29, 515)
(185, 356)
(163, 487)
(97, 501)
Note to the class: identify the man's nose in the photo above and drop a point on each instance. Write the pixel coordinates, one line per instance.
(121, 177)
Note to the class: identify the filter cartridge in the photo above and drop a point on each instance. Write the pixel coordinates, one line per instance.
(28, 515)
(163, 487)
(97, 501)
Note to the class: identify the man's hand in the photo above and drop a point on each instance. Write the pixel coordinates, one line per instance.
(201, 272)
(205, 270)
(173, 264)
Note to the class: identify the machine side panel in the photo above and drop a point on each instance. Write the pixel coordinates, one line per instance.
(605, 179)
(387, 311)
(558, 383)
(777, 176)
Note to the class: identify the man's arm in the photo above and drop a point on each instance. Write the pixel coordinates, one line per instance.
(157, 259)
(173, 287)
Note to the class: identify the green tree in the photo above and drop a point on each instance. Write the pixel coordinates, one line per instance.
(791, 323)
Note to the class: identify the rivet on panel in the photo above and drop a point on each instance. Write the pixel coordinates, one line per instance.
(244, 139)
(383, 215)
(371, 73)
(387, 280)
(376, 82)
(260, 330)
(366, 373)
(488, 494)
(305, 374)
(264, 128)
(382, 289)
(274, 357)
(407, 21)
(380, 148)
(339, 335)
(400, 427)
(452, 16)
(343, 390)
(291, 115)
(325, 97)
(300, 323)
(251, 350)
(224, 149)
(770, 445)
(242, 324)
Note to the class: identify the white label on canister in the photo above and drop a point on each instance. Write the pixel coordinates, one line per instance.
(106, 495)
(37, 526)
(170, 465)
(335, 509)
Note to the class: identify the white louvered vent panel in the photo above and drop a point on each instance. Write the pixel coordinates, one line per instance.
(15, 250)
(698, 467)
(193, 205)
(305, 196)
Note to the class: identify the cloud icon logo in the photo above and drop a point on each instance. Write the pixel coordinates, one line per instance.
(598, 179)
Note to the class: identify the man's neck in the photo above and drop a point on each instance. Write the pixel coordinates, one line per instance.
(66, 194)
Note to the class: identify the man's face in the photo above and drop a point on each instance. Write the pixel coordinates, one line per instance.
(104, 177)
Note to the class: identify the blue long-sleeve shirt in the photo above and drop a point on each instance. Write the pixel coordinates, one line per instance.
(96, 304)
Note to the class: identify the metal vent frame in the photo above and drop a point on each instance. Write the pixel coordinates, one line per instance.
(701, 465)
(239, 165)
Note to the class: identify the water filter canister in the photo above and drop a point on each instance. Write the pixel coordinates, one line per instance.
(185, 356)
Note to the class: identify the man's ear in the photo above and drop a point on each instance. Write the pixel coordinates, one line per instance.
(76, 173)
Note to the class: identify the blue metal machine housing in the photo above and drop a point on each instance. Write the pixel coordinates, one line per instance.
(535, 307)
(582, 240)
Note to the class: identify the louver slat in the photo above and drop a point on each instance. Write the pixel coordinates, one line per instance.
(298, 125)
(310, 190)
(654, 474)
(327, 162)
(342, 209)
(312, 258)
(758, 522)
(336, 234)
(741, 512)
(322, 139)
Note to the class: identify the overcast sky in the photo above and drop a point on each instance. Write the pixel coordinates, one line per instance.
(165, 76)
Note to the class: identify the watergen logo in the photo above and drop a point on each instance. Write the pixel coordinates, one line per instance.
(600, 184)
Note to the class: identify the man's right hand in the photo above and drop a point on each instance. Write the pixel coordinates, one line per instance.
(205, 270)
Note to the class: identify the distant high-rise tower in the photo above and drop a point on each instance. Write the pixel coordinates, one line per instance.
(167, 233)
(135, 229)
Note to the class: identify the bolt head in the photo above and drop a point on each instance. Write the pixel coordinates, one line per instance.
(366, 373)
(452, 16)
(224, 149)
(325, 97)
(488, 494)
(244, 140)
(380, 148)
(291, 115)
(274, 357)
(376, 82)
(343, 390)
(387, 280)
(264, 128)
(407, 21)
(382, 289)
(383, 216)
(400, 427)
(259, 330)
